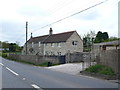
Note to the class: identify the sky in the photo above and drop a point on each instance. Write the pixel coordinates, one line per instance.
(39, 13)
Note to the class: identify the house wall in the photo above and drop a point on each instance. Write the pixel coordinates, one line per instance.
(74, 48)
(55, 49)
(65, 47)
(36, 49)
(111, 48)
(97, 49)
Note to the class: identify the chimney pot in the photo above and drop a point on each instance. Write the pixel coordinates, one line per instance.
(31, 35)
(50, 31)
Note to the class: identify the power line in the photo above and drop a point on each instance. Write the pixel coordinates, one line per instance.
(71, 15)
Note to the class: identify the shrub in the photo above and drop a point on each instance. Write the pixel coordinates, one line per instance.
(100, 69)
(94, 68)
(4, 55)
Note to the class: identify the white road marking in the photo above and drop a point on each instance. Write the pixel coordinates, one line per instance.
(12, 71)
(35, 86)
(1, 64)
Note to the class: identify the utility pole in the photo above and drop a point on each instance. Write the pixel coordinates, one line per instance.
(26, 35)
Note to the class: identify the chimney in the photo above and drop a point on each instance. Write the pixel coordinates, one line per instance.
(31, 35)
(50, 31)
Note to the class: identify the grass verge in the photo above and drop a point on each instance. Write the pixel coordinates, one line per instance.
(101, 69)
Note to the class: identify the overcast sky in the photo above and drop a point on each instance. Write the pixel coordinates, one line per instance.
(38, 13)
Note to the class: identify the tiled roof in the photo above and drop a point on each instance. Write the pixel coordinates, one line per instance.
(54, 38)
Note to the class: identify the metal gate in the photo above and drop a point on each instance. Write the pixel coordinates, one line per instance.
(62, 60)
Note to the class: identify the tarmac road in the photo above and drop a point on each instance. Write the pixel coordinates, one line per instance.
(18, 75)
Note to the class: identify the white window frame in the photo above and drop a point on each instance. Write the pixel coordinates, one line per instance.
(74, 43)
(52, 44)
(59, 53)
(32, 44)
(39, 44)
(59, 44)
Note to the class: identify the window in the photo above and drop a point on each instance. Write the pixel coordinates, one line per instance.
(59, 44)
(104, 47)
(46, 44)
(31, 50)
(52, 53)
(74, 43)
(59, 53)
(46, 53)
(39, 44)
(32, 44)
(52, 44)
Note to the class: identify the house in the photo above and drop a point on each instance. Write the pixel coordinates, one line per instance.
(54, 44)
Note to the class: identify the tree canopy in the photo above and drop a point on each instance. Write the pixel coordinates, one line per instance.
(10, 47)
(101, 37)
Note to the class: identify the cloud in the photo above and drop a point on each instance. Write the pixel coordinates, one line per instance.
(32, 11)
(39, 13)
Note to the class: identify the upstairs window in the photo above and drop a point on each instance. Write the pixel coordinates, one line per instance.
(46, 44)
(32, 44)
(39, 44)
(59, 44)
(59, 53)
(74, 43)
(52, 44)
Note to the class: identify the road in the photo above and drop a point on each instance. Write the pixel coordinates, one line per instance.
(18, 75)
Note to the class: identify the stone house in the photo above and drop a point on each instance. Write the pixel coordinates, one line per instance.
(54, 44)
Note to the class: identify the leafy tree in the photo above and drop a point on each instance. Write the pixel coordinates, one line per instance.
(105, 36)
(101, 37)
(10, 47)
(88, 40)
(98, 38)
(5, 45)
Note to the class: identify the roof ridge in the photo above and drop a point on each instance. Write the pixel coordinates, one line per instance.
(64, 32)
(55, 34)
(59, 37)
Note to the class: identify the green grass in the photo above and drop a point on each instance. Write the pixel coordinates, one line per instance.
(100, 69)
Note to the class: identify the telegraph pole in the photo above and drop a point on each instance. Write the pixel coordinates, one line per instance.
(26, 35)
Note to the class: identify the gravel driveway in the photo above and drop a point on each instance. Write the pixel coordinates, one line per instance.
(71, 68)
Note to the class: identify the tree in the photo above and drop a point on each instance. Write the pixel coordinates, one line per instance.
(5, 45)
(88, 40)
(98, 38)
(101, 37)
(12, 47)
(105, 36)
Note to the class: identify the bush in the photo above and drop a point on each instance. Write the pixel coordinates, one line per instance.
(94, 68)
(107, 71)
(4, 55)
(100, 69)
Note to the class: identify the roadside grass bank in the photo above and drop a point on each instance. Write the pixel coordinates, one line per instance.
(100, 71)
(45, 64)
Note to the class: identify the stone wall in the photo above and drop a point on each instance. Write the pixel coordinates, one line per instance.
(110, 58)
(78, 57)
(37, 59)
